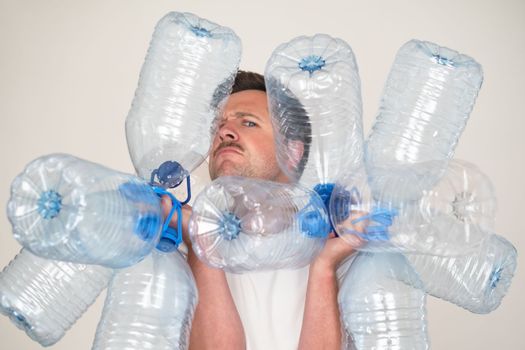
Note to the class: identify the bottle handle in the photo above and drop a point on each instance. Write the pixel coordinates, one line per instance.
(167, 232)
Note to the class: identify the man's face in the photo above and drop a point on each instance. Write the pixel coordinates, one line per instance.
(243, 144)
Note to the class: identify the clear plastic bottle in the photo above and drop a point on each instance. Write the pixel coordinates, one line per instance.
(45, 297)
(314, 96)
(189, 69)
(477, 281)
(69, 209)
(426, 103)
(450, 219)
(243, 224)
(378, 311)
(464, 193)
(149, 305)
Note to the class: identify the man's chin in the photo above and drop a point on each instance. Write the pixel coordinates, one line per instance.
(226, 170)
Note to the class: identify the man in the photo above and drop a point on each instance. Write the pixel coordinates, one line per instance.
(243, 145)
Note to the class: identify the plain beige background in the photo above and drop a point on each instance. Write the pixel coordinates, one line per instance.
(68, 71)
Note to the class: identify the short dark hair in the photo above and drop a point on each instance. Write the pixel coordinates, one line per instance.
(301, 130)
(245, 80)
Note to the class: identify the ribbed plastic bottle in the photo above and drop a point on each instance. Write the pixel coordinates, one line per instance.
(477, 281)
(375, 224)
(464, 193)
(149, 305)
(189, 69)
(314, 96)
(426, 103)
(65, 208)
(378, 311)
(449, 219)
(243, 224)
(44, 298)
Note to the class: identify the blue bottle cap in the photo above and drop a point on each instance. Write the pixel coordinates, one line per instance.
(325, 192)
(229, 226)
(49, 204)
(312, 63)
(169, 174)
(166, 244)
(312, 223)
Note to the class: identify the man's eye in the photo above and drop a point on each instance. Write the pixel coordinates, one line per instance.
(249, 123)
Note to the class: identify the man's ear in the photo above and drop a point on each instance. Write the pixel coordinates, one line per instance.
(295, 152)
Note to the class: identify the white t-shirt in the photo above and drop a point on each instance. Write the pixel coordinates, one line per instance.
(271, 306)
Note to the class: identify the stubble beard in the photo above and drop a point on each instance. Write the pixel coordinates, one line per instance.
(230, 170)
(245, 170)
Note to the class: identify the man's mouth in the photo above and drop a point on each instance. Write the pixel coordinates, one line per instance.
(228, 147)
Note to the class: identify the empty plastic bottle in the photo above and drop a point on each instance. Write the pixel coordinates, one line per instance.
(149, 305)
(378, 311)
(189, 69)
(477, 281)
(314, 96)
(69, 209)
(242, 224)
(464, 193)
(449, 219)
(374, 224)
(426, 103)
(45, 297)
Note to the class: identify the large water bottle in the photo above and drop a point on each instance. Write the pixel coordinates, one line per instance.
(464, 193)
(477, 281)
(149, 305)
(426, 103)
(241, 224)
(314, 96)
(189, 69)
(450, 219)
(65, 208)
(378, 311)
(45, 297)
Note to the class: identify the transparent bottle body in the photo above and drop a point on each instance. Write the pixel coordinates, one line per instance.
(189, 69)
(464, 193)
(378, 311)
(477, 281)
(243, 224)
(65, 208)
(426, 102)
(449, 219)
(44, 298)
(314, 96)
(149, 305)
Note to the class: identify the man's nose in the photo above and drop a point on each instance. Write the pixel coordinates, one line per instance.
(228, 132)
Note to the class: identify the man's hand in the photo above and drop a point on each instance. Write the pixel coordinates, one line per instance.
(321, 327)
(336, 248)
